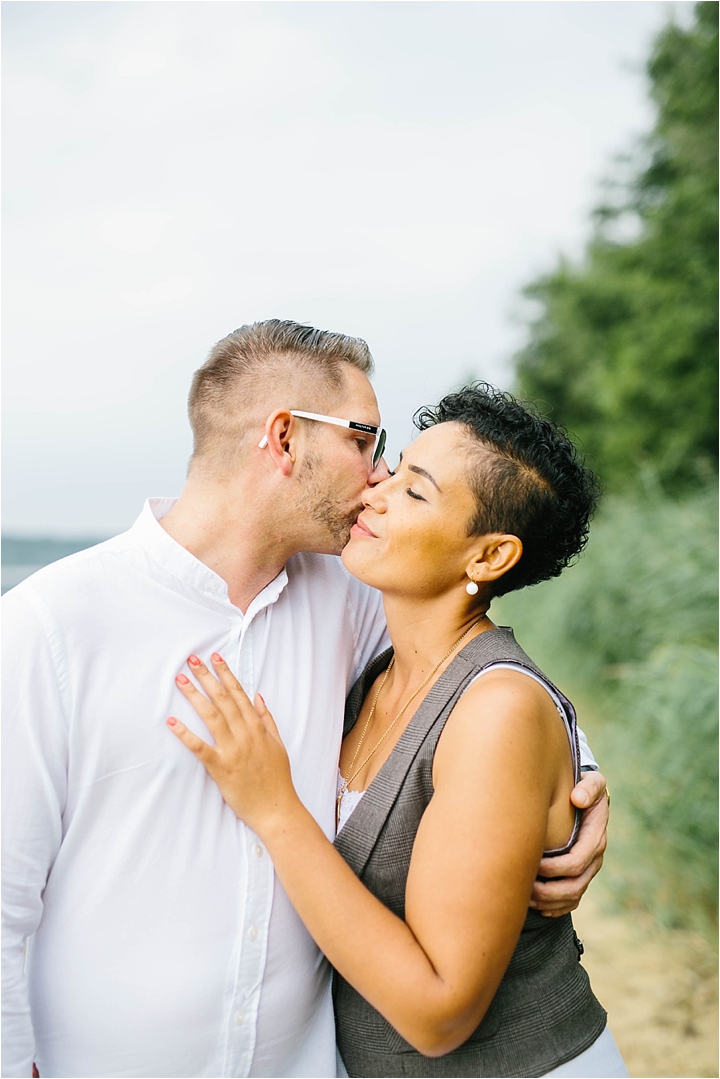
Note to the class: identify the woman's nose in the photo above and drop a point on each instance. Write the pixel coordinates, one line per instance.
(379, 473)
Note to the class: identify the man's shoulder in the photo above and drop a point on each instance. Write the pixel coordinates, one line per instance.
(74, 580)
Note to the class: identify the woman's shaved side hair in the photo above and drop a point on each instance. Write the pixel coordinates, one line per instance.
(528, 478)
(251, 364)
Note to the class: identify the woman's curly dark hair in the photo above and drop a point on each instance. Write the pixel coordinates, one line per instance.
(527, 477)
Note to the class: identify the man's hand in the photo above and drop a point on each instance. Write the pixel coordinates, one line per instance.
(573, 872)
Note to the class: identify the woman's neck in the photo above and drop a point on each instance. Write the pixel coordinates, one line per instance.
(422, 631)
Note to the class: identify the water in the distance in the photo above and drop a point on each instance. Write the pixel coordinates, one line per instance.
(23, 555)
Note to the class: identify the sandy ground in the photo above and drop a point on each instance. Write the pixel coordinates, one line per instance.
(659, 988)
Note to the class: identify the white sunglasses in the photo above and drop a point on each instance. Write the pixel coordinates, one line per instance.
(368, 428)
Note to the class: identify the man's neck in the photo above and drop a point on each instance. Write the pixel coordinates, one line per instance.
(230, 531)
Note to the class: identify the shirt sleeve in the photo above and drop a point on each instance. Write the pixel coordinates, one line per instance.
(587, 760)
(34, 784)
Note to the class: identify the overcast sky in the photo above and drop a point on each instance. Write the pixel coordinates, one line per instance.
(396, 170)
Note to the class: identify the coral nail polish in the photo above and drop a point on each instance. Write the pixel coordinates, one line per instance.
(194, 660)
(182, 680)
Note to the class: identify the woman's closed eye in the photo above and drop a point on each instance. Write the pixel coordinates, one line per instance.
(414, 494)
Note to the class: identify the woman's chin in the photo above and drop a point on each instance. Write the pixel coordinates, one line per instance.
(356, 560)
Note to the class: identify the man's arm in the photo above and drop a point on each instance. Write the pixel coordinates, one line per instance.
(570, 874)
(34, 765)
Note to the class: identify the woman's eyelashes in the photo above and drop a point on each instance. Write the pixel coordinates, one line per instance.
(413, 494)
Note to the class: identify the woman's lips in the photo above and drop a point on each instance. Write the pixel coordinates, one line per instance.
(361, 529)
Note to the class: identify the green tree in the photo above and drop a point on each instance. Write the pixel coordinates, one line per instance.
(624, 348)
(623, 351)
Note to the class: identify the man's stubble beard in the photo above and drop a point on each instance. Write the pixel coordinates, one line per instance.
(335, 517)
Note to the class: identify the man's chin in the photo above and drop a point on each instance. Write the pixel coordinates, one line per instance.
(338, 540)
(344, 533)
(337, 531)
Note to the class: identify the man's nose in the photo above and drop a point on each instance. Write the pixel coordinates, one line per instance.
(379, 472)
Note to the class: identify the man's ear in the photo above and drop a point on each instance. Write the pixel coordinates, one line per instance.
(278, 439)
(495, 554)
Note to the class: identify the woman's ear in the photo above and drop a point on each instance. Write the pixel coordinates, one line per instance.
(496, 553)
(278, 432)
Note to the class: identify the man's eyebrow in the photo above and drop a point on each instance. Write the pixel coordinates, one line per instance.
(423, 472)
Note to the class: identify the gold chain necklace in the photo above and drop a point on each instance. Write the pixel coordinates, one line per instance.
(353, 774)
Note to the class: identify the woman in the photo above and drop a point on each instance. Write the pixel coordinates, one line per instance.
(422, 905)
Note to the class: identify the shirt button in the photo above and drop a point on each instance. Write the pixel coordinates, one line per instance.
(240, 1018)
(259, 850)
(252, 933)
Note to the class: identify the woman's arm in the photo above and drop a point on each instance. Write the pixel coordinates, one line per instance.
(473, 864)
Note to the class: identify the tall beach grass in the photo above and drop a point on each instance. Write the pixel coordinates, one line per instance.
(631, 632)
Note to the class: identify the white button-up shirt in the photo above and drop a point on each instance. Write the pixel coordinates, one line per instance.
(160, 941)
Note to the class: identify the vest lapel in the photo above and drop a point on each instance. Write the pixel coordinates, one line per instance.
(359, 691)
(357, 839)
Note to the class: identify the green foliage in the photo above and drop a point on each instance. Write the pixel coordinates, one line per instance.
(668, 862)
(632, 632)
(624, 348)
(623, 352)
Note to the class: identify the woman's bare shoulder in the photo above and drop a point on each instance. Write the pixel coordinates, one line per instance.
(503, 718)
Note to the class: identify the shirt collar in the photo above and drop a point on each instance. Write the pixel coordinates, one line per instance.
(162, 548)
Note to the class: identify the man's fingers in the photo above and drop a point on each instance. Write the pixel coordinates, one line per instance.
(560, 896)
(588, 849)
(589, 790)
(202, 750)
(573, 869)
(576, 862)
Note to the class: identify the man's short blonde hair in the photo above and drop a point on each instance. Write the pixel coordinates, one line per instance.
(245, 368)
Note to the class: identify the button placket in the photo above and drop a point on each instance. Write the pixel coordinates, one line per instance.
(246, 673)
(252, 950)
(252, 956)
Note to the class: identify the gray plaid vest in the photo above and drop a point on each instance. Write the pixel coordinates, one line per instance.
(544, 1012)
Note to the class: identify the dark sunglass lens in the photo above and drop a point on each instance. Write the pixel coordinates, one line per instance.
(379, 447)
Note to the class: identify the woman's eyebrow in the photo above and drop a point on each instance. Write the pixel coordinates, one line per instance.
(423, 472)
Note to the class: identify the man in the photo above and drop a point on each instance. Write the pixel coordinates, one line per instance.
(153, 955)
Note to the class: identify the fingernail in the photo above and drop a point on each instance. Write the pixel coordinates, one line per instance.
(182, 680)
(171, 721)
(583, 798)
(217, 658)
(262, 699)
(532, 904)
(194, 660)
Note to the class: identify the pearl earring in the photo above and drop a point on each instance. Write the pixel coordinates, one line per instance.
(471, 588)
